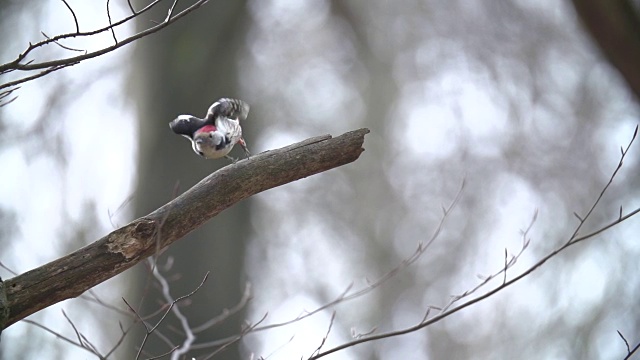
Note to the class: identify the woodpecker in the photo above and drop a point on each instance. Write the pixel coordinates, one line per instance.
(214, 136)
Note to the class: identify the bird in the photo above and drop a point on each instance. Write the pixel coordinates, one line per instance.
(214, 136)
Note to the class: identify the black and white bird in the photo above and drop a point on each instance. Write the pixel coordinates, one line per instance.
(214, 136)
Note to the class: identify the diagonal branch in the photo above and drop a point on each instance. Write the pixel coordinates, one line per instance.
(57, 64)
(72, 275)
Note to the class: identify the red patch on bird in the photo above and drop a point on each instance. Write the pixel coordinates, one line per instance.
(206, 128)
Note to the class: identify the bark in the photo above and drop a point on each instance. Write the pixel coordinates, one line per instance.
(79, 271)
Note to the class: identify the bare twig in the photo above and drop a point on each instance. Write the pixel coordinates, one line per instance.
(171, 351)
(504, 280)
(16, 63)
(625, 341)
(7, 268)
(171, 308)
(238, 337)
(113, 31)
(605, 188)
(346, 295)
(633, 351)
(34, 76)
(75, 19)
(170, 12)
(54, 65)
(59, 336)
(630, 351)
(572, 241)
(278, 349)
(189, 337)
(59, 44)
(74, 328)
(120, 340)
(226, 312)
(324, 339)
(133, 11)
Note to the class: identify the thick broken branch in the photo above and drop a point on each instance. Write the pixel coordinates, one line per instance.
(81, 270)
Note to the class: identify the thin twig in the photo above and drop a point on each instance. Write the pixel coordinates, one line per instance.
(57, 334)
(171, 308)
(625, 342)
(74, 327)
(504, 280)
(170, 12)
(572, 241)
(324, 339)
(171, 351)
(605, 188)
(34, 76)
(133, 11)
(75, 19)
(62, 46)
(113, 31)
(54, 65)
(120, 340)
(343, 297)
(16, 63)
(237, 338)
(246, 296)
(633, 351)
(189, 338)
(8, 269)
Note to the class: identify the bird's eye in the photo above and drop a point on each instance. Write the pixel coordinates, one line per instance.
(211, 135)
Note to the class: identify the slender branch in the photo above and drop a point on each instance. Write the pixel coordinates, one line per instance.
(58, 64)
(633, 351)
(75, 59)
(16, 63)
(625, 341)
(326, 336)
(75, 19)
(347, 295)
(75, 330)
(133, 11)
(34, 76)
(171, 9)
(605, 188)
(113, 31)
(247, 330)
(226, 312)
(58, 335)
(61, 45)
(573, 239)
(190, 338)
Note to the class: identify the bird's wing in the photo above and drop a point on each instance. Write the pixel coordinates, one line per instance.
(230, 108)
(186, 125)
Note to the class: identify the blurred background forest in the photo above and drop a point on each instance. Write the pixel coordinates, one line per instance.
(512, 97)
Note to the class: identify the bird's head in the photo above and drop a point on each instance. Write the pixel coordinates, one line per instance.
(210, 143)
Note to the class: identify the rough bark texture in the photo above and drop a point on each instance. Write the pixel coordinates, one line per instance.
(615, 27)
(79, 271)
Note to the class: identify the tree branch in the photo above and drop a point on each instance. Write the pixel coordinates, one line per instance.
(54, 65)
(70, 276)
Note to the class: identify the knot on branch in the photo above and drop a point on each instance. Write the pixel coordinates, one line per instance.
(132, 240)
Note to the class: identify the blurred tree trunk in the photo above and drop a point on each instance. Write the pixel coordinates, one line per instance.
(179, 71)
(615, 27)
